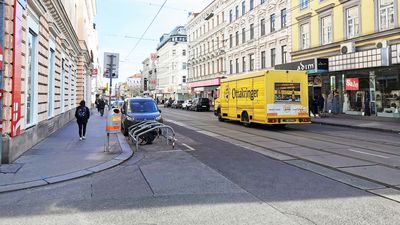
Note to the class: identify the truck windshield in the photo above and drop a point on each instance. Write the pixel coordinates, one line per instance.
(142, 107)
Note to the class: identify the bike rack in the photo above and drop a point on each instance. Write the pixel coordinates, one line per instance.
(139, 129)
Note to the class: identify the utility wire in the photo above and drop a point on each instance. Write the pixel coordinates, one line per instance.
(148, 27)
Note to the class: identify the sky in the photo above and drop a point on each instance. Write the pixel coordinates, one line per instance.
(120, 24)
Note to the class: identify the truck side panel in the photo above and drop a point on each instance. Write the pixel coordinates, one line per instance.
(232, 100)
(244, 95)
(259, 102)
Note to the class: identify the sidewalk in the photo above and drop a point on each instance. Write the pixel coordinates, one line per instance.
(62, 156)
(372, 123)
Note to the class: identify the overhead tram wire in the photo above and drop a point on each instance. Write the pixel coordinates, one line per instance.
(148, 27)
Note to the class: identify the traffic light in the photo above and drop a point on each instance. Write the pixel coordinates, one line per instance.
(145, 84)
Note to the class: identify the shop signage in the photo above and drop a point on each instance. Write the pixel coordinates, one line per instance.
(352, 84)
(317, 65)
(205, 83)
(94, 72)
(1, 57)
(16, 121)
(360, 60)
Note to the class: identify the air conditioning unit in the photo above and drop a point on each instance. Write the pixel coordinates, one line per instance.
(381, 44)
(347, 48)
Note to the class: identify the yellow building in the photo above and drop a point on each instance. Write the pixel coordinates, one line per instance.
(352, 47)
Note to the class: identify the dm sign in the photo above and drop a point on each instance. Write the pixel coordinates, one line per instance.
(317, 65)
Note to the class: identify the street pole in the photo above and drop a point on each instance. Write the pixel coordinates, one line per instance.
(110, 69)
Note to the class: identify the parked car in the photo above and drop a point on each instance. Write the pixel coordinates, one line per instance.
(200, 104)
(177, 104)
(186, 104)
(138, 109)
(167, 103)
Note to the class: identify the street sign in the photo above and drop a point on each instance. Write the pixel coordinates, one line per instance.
(108, 58)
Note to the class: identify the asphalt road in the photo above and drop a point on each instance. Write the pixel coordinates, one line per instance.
(224, 173)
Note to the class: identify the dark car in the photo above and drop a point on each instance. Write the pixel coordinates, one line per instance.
(138, 109)
(177, 104)
(200, 104)
(168, 103)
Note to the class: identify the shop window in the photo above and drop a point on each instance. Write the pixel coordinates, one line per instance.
(31, 77)
(388, 93)
(51, 82)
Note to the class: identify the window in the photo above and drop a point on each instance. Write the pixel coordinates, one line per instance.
(212, 66)
(352, 22)
(237, 65)
(326, 30)
(223, 41)
(184, 66)
(263, 60)
(305, 36)
(237, 38)
(183, 79)
(251, 31)
(184, 52)
(230, 16)
(69, 86)
(51, 81)
(237, 12)
(31, 76)
(386, 14)
(304, 4)
(230, 67)
(217, 20)
(243, 8)
(243, 64)
(251, 5)
(243, 35)
(284, 54)
(251, 60)
(173, 52)
(217, 42)
(213, 44)
(262, 24)
(262, 1)
(283, 18)
(230, 41)
(272, 22)
(273, 56)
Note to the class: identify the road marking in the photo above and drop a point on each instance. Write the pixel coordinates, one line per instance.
(366, 153)
(189, 147)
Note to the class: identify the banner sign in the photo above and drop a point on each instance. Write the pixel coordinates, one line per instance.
(352, 84)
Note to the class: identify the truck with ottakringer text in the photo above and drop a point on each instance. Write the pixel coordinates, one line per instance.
(276, 97)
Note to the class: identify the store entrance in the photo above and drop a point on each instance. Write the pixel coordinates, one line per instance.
(356, 99)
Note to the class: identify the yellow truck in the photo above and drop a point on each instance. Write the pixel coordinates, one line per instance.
(276, 97)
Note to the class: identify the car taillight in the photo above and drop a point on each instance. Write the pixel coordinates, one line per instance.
(272, 120)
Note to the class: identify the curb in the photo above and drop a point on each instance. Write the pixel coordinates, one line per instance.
(356, 127)
(125, 155)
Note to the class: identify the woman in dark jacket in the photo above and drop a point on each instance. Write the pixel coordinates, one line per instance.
(82, 115)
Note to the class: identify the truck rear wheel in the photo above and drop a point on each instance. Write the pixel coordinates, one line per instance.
(220, 115)
(245, 119)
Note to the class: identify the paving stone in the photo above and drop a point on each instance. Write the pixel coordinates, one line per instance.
(389, 193)
(336, 175)
(379, 173)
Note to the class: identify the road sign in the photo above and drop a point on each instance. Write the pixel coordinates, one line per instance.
(108, 58)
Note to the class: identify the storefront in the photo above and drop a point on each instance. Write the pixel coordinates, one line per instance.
(206, 89)
(316, 68)
(365, 83)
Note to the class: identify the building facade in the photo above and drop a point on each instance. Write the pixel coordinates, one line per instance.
(172, 65)
(49, 52)
(206, 62)
(359, 39)
(149, 73)
(258, 35)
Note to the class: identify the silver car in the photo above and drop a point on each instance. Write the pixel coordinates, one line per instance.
(186, 104)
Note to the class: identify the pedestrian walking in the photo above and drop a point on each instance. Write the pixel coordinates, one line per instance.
(102, 105)
(315, 106)
(97, 104)
(82, 115)
(335, 102)
(320, 103)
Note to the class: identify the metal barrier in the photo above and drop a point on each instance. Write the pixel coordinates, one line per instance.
(139, 130)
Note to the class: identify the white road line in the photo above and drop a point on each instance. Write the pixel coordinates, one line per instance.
(189, 147)
(366, 153)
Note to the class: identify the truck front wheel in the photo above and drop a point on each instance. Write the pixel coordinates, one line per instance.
(220, 115)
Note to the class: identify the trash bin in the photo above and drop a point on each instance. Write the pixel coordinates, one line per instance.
(113, 125)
